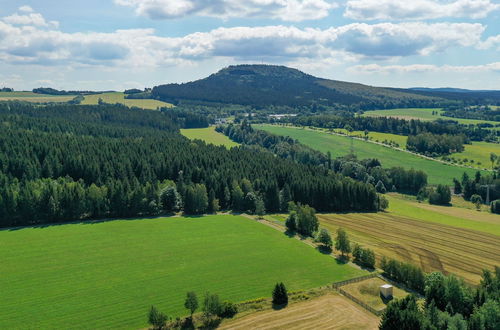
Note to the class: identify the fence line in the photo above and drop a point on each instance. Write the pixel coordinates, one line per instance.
(338, 285)
(354, 280)
(362, 304)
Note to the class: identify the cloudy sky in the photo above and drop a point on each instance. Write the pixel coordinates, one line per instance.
(117, 44)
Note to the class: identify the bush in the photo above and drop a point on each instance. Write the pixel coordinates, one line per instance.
(228, 310)
(363, 257)
(495, 206)
(440, 196)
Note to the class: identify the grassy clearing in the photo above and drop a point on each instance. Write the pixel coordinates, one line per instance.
(438, 173)
(461, 242)
(108, 274)
(209, 135)
(330, 311)
(368, 291)
(117, 97)
(422, 114)
(479, 152)
(34, 97)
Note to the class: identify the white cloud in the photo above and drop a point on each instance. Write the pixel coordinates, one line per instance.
(29, 17)
(417, 9)
(26, 9)
(37, 44)
(423, 68)
(286, 10)
(491, 42)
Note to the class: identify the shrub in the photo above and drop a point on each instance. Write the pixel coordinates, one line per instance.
(228, 310)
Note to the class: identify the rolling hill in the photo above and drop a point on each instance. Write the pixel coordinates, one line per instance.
(266, 85)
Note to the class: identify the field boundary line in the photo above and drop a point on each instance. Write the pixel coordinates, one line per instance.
(383, 145)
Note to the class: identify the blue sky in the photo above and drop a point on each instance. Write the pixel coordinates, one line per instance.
(118, 44)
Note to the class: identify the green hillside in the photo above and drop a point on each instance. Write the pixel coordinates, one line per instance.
(438, 173)
(108, 274)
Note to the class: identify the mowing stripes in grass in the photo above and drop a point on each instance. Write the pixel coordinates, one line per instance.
(107, 274)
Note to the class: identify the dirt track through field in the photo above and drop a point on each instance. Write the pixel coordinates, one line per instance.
(331, 311)
(435, 247)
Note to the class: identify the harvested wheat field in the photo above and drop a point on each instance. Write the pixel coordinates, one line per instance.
(433, 246)
(331, 311)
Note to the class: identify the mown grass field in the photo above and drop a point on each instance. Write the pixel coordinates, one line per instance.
(209, 135)
(331, 311)
(117, 97)
(422, 114)
(368, 291)
(108, 274)
(33, 97)
(377, 136)
(446, 239)
(479, 152)
(438, 173)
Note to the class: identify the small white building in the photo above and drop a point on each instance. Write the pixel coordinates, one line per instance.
(386, 291)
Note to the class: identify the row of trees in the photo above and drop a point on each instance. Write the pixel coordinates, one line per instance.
(212, 308)
(390, 125)
(410, 275)
(449, 304)
(368, 170)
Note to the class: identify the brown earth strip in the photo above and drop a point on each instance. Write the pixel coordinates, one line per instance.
(331, 311)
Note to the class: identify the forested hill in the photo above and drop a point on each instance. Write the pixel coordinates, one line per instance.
(266, 85)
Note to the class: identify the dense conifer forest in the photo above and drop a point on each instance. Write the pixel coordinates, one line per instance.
(63, 163)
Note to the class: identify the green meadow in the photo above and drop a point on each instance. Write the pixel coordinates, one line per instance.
(209, 135)
(479, 152)
(438, 173)
(422, 114)
(108, 274)
(34, 97)
(117, 97)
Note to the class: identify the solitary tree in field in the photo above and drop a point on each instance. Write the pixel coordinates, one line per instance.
(280, 295)
(342, 243)
(493, 158)
(191, 302)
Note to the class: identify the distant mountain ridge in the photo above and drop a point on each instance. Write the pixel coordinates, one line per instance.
(271, 85)
(452, 90)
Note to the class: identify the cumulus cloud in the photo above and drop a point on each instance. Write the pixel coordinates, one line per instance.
(491, 42)
(417, 9)
(286, 10)
(423, 68)
(29, 17)
(34, 43)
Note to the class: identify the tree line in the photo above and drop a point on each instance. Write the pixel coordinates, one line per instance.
(449, 304)
(369, 171)
(391, 125)
(90, 162)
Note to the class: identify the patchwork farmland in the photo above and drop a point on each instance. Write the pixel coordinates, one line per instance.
(424, 239)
